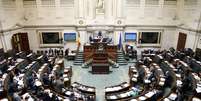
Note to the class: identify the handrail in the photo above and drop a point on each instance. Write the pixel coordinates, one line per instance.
(88, 57)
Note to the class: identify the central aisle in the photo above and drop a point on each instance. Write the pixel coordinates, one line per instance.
(82, 75)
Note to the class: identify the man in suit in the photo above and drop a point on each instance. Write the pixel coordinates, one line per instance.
(169, 80)
(90, 39)
(142, 74)
(188, 87)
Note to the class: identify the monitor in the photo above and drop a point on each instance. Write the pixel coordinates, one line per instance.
(130, 36)
(50, 37)
(69, 36)
(150, 37)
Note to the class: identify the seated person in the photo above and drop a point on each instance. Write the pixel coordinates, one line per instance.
(51, 51)
(16, 97)
(186, 92)
(66, 52)
(109, 40)
(142, 74)
(45, 79)
(169, 80)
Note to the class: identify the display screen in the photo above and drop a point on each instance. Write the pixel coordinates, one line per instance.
(50, 37)
(150, 37)
(130, 36)
(69, 36)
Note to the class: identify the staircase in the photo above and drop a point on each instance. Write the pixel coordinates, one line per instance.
(79, 60)
(120, 58)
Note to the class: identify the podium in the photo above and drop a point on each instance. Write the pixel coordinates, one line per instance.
(100, 63)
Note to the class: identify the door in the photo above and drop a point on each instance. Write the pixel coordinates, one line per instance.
(20, 42)
(24, 42)
(181, 41)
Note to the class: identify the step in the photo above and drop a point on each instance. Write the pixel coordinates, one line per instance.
(122, 63)
(121, 60)
(120, 55)
(79, 55)
(79, 59)
(77, 64)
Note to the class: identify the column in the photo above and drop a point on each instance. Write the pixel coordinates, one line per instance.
(39, 8)
(142, 7)
(2, 39)
(180, 8)
(81, 8)
(197, 43)
(90, 9)
(58, 8)
(119, 8)
(114, 2)
(83, 36)
(76, 6)
(1, 12)
(19, 9)
(117, 32)
(85, 6)
(160, 8)
(108, 9)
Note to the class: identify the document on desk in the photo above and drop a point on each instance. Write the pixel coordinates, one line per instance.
(198, 89)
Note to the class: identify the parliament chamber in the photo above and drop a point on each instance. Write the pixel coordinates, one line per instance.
(100, 50)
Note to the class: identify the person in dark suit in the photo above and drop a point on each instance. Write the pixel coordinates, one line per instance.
(100, 34)
(66, 52)
(90, 39)
(142, 74)
(169, 81)
(188, 87)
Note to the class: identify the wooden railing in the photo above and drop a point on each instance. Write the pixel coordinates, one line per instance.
(88, 57)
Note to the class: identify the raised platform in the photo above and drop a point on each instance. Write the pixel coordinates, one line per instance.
(100, 68)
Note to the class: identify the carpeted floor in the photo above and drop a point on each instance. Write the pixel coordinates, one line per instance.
(83, 76)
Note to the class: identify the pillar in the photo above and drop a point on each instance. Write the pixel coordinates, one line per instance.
(39, 8)
(142, 7)
(58, 8)
(83, 35)
(160, 8)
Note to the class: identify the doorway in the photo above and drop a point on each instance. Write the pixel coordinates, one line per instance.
(20, 42)
(181, 41)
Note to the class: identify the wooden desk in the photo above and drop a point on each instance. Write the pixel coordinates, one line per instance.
(100, 68)
(90, 49)
(84, 88)
(117, 88)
